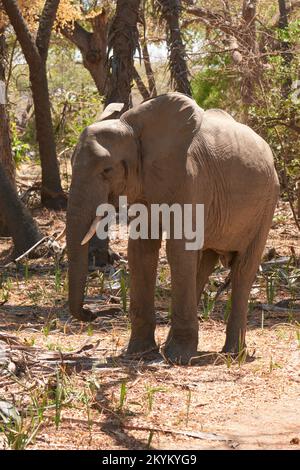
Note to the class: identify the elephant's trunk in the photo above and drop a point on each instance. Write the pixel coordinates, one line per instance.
(77, 281)
(80, 213)
(77, 225)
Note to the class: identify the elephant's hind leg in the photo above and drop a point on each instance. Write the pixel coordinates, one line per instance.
(143, 259)
(243, 272)
(182, 341)
(206, 263)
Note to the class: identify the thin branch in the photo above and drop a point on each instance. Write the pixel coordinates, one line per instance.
(274, 308)
(212, 19)
(280, 121)
(148, 68)
(284, 160)
(31, 249)
(10, 65)
(23, 34)
(140, 84)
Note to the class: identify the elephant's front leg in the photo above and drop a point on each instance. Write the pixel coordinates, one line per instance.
(143, 259)
(182, 341)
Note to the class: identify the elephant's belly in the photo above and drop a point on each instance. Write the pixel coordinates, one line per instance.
(233, 234)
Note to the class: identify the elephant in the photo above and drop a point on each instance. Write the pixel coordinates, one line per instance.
(169, 150)
(99, 251)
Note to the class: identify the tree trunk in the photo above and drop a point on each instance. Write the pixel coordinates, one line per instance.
(17, 218)
(35, 50)
(170, 11)
(286, 55)
(93, 47)
(251, 65)
(5, 142)
(298, 199)
(123, 42)
(5, 145)
(52, 195)
(146, 56)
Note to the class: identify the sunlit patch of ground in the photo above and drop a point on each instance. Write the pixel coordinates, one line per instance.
(72, 389)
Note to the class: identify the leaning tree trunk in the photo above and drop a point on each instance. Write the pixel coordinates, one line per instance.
(170, 12)
(123, 40)
(35, 51)
(140, 84)
(17, 218)
(148, 69)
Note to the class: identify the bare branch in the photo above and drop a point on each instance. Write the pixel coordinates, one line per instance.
(212, 19)
(140, 84)
(148, 68)
(23, 34)
(217, 20)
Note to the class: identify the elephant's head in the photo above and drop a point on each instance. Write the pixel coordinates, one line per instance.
(111, 159)
(104, 162)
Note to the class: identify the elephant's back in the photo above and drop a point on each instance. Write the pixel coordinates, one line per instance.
(239, 153)
(243, 177)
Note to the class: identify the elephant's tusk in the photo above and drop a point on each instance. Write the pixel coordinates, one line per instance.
(92, 230)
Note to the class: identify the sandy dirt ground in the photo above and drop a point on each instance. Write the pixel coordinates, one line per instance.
(73, 389)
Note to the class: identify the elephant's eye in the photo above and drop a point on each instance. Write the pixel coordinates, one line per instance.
(106, 171)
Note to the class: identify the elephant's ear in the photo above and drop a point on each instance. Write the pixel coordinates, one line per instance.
(165, 126)
(112, 111)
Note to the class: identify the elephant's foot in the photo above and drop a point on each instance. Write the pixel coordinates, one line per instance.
(85, 315)
(139, 347)
(179, 351)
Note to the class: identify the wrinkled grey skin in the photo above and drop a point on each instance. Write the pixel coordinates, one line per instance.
(99, 252)
(168, 150)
